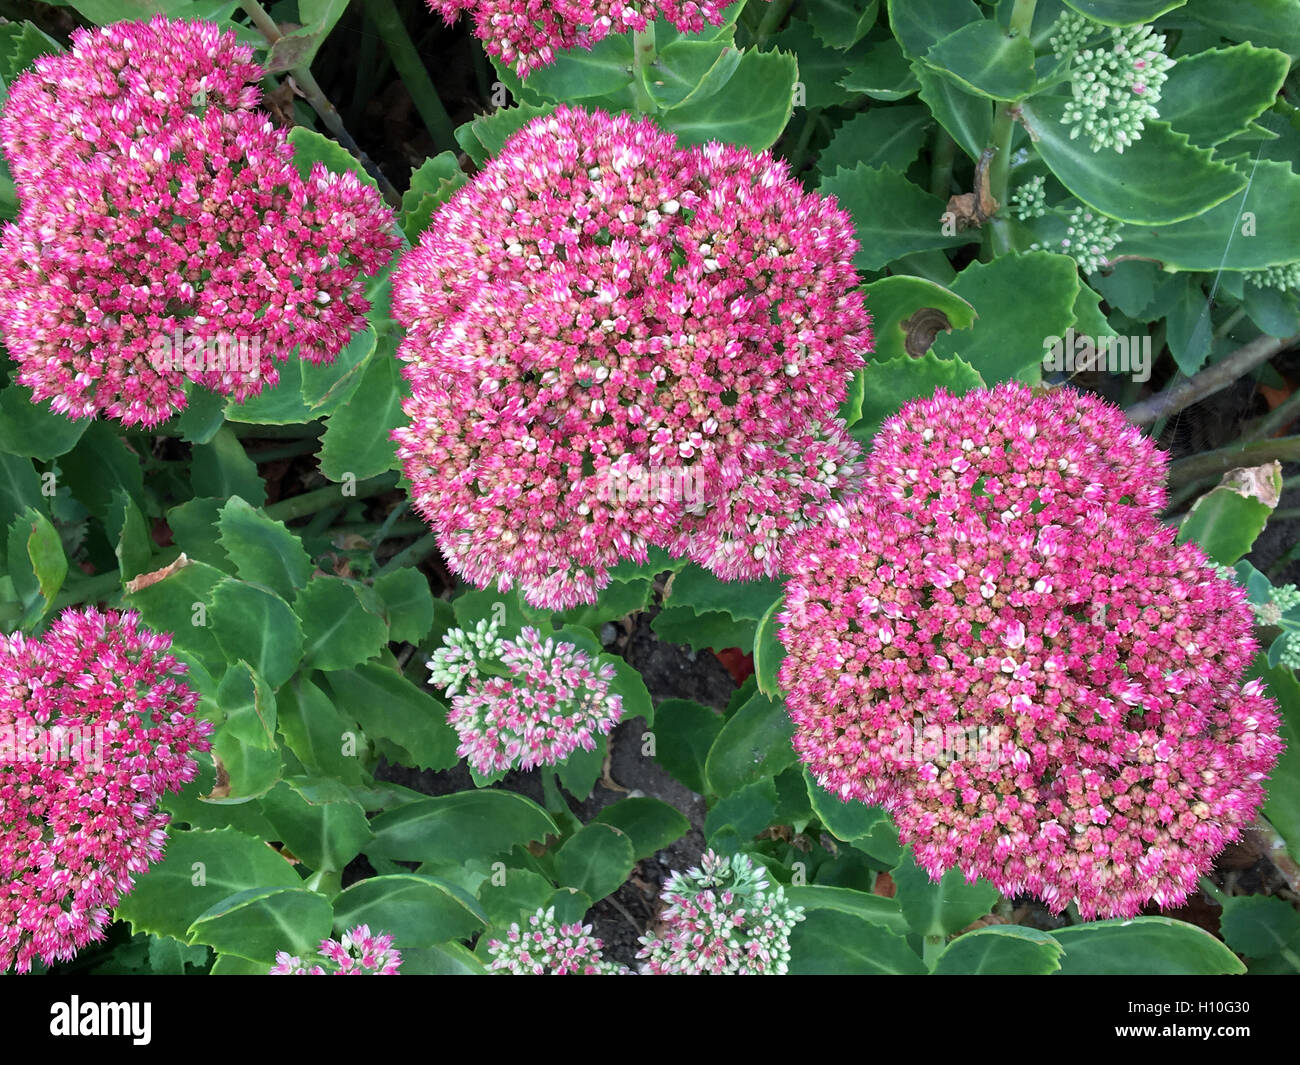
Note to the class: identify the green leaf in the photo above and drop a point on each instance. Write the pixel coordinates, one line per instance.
(169, 957)
(579, 74)
(416, 910)
(1146, 946)
(688, 70)
(178, 602)
(1132, 185)
(263, 550)
(821, 68)
(751, 110)
(435, 181)
(630, 685)
(842, 23)
(830, 943)
(223, 469)
(326, 386)
(848, 821)
(1214, 95)
(768, 652)
(257, 626)
(894, 382)
(741, 816)
(884, 73)
(1007, 340)
(879, 136)
(907, 308)
(199, 869)
(893, 216)
(407, 604)
(1260, 926)
(486, 135)
(1000, 950)
(134, 546)
(684, 733)
(703, 592)
(650, 824)
(318, 820)
(919, 24)
(1123, 12)
(32, 430)
(874, 908)
(310, 147)
(714, 629)
(510, 894)
(281, 404)
(942, 908)
(204, 414)
(338, 631)
(459, 828)
(101, 465)
(1226, 520)
(984, 59)
(1267, 23)
(357, 438)
(1257, 228)
(595, 860)
(37, 564)
(317, 734)
(20, 488)
(968, 118)
(257, 923)
(245, 742)
(390, 707)
(754, 743)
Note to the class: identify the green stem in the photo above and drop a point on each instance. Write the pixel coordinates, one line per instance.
(410, 68)
(942, 157)
(772, 18)
(643, 57)
(326, 882)
(1212, 889)
(90, 590)
(1232, 319)
(285, 451)
(798, 156)
(1004, 128)
(1257, 452)
(330, 495)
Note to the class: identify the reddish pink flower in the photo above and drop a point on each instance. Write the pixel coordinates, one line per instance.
(526, 34)
(165, 234)
(96, 725)
(357, 953)
(600, 311)
(1006, 649)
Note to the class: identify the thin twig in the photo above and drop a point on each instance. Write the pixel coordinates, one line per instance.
(1255, 453)
(1210, 380)
(315, 95)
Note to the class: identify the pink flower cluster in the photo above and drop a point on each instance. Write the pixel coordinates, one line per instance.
(1006, 648)
(549, 948)
(599, 306)
(160, 211)
(721, 919)
(526, 34)
(555, 701)
(358, 953)
(96, 725)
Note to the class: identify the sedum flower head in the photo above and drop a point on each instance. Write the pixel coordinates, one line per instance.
(165, 235)
(96, 726)
(548, 948)
(599, 301)
(1030, 199)
(357, 953)
(526, 34)
(1283, 278)
(1115, 85)
(552, 701)
(721, 919)
(1089, 239)
(1006, 649)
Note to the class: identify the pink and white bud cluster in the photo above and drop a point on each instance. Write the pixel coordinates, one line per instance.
(74, 832)
(358, 953)
(548, 948)
(598, 301)
(555, 701)
(526, 34)
(156, 201)
(1005, 571)
(721, 919)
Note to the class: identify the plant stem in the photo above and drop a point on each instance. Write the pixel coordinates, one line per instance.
(772, 18)
(1004, 128)
(942, 157)
(311, 502)
(315, 96)
(90, 590)
(643, 57)
(931, 951)
(285, 451)
(1210, 380)
(1255, 453)
(1212, 889)
(388, 23)
(410, 556)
